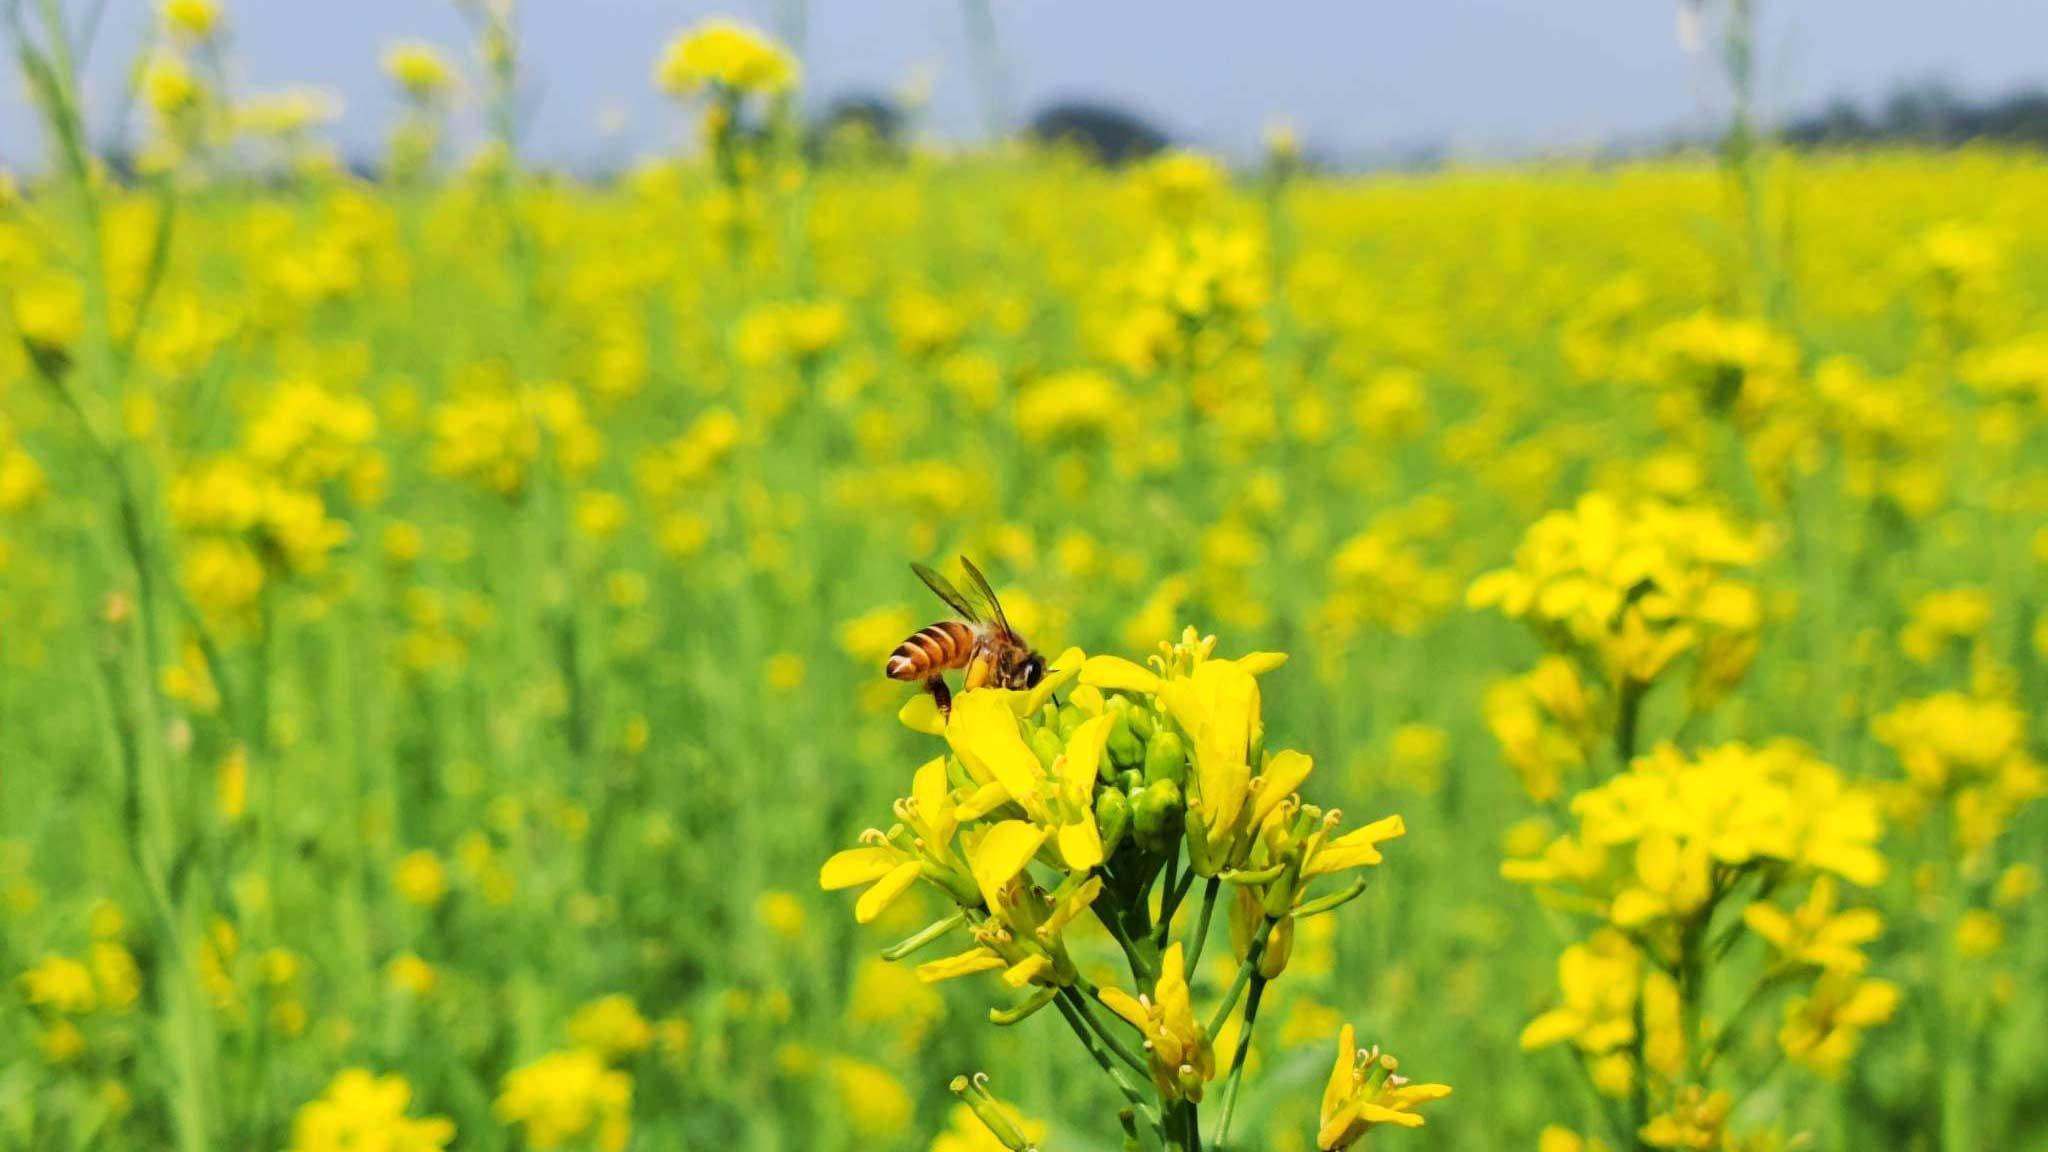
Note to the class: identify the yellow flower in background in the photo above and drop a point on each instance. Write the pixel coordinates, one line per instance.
(965, 1133)
(611, 1026)
(360, 1110)
(727, 54)
(1824, 1029)
(566, 1099)
(1631, 587)
(170, 88)
(412, 975)
(1559, 1139)
(61, 985)
(197, 19)
(116, 974)
(419, 69)
(1815, 933)
(1950, 739)
(420, 878)
(782, 913)
(1979, 933)
(893, 997)
(1941, 618)
(1695, 1121)
(60, 1043)
(876, 1105)
(1069, 405)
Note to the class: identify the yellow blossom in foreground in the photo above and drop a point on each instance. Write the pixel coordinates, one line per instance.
(1364, 1091)
(1176, 1044)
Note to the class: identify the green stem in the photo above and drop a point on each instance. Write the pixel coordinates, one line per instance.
(1246, 972)
(1175, 893)
(1201, 936)
(1639, 1067)
(1244, 1048)
(1079, 1025)
(1953, 1033)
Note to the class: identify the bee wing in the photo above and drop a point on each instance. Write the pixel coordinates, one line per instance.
(988, 594)
(944, 590)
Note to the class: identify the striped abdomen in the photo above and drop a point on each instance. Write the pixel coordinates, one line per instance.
(932, 650)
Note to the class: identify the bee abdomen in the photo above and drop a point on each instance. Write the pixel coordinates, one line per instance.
(931, 649)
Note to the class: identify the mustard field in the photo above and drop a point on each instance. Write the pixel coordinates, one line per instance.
(1568, 640)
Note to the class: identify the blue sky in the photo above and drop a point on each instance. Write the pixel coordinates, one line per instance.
(1357, 77)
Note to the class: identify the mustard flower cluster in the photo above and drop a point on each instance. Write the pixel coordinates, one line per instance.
(1621, 593)
(1678, 860)
(1095, 803)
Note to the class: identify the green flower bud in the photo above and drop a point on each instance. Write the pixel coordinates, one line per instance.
(1133, 781)
(1156, 814)
(1142, 723)
(1070, 719)
(1047, 746)
(1125, 749)
(1112, 817)
(1166, 759)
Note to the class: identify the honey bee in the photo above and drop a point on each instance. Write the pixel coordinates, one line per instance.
(981, 641)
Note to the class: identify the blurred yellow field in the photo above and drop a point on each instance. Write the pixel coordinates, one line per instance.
(1577, 628)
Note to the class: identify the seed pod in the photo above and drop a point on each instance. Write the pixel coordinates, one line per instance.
(1112, 817)
(1156, 814)
(1125, 749)
(1166, 759)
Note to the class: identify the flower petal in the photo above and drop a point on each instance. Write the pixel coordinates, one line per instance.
(1354, 849)
(856, 866)
(984, 734)
(921, 714)
(1002, 852)
(964, 964)
(1120, 675)
(876, 900)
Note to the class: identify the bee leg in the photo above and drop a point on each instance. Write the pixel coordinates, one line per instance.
(941, 695)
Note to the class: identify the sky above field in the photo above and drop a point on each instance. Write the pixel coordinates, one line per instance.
(1359, 79)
